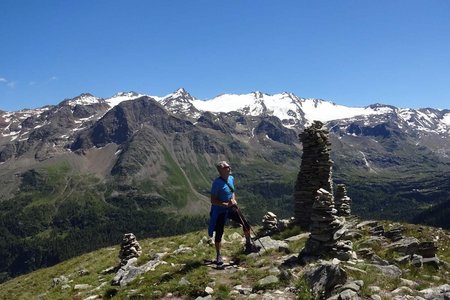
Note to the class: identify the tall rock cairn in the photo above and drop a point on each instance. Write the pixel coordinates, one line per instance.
(342, 201)
(315, 171)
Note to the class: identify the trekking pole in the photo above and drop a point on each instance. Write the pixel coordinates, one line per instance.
(242, 218)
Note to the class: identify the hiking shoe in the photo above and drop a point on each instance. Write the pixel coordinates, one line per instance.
(219, 260)
(251, 248)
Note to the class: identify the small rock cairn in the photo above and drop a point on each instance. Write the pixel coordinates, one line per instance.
(269, 224)
(342, 201)
(129, 248)
(326, 231)
(315, 171)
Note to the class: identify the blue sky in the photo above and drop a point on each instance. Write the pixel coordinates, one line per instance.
(353, 53)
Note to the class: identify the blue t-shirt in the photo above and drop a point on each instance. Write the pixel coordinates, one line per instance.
(221, 190)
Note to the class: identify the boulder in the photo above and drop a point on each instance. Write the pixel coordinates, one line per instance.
(324, 278)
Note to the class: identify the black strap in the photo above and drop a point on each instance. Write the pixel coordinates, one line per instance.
(229, 186)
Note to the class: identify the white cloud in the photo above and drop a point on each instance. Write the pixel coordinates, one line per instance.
(53, 78)
(8, 83)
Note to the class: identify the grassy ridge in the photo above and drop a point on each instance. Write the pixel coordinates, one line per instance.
(189, 265)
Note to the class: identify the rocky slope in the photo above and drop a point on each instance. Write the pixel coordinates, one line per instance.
(387, 263)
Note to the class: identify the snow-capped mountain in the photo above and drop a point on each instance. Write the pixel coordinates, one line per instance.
(294, 112)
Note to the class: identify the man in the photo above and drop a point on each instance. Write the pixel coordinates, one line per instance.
(224, 206)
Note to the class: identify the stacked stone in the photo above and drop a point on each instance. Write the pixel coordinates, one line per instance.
(395, 234)
(315, 171)
(342, 201)
(269, 224)
(129, 248)
(326, 231)
(428, 250)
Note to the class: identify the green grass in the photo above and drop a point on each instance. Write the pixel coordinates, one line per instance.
(189, 266)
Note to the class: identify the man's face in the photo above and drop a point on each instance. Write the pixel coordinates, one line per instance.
(225, 171)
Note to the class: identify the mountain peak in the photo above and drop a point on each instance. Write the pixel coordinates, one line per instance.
(377, 106)
(181, 92)
(82, 99)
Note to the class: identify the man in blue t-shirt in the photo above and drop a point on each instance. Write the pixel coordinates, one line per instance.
(224, 206)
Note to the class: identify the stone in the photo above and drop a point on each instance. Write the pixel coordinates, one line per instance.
(271, 279)
(243, 290)
(267, 243)
(417, 261)
(377, 230)
(395, 234)
(408, 282)
(402, 290)
(379, 261)
(108, 270)
(365, 252)
(323, 278)
(209, 290)
(402, 260)
(407, 245)
(297, 237)
(61, 280)
(367, 224)
(184, 281)
(427, 249)
(83, 272)
(129, 272)
(83, 286)
(348, 295)
(390, 271)
(437, 293)
(183, 250)
(360, 271)
(432, 261)
(93, 297)
(208, 297)
(351, 286)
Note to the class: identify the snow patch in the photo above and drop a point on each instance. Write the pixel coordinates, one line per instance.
(446, 119)
(120, 97)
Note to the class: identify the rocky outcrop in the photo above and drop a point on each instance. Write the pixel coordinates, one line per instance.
(315, 171)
